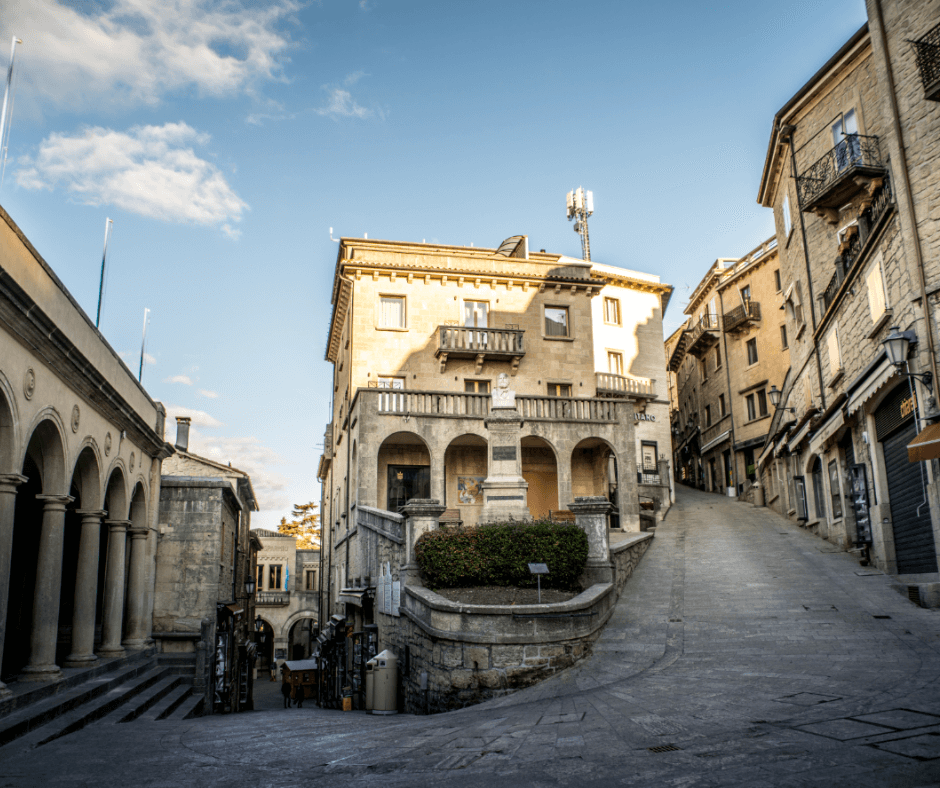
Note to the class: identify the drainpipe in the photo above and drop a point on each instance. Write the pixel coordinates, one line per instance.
(724, 344)
(907, 191)
(789, 131)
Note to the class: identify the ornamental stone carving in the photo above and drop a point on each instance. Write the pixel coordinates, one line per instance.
(76, 418)
(107, 444)
(29, 384)
(503, 396)
(133, 460)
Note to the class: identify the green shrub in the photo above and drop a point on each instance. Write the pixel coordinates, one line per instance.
(499, 554)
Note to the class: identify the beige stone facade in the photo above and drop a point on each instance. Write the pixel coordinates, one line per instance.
(857, 230)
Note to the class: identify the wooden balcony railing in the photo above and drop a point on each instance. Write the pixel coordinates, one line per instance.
(741, 316)
(483, 344)
(611, 385)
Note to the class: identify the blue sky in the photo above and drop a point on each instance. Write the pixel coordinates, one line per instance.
(225, 139)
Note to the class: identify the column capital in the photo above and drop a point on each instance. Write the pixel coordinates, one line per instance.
(118, 525)
(10, 481)
(55, 502)
(590, 504)
(137, 533)
(99, 513)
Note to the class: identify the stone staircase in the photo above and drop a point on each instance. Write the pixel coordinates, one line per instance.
(137, 687)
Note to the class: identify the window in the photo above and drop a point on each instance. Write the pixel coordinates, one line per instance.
(819, 495)
(717, 358)
(704, 365)
(794, 304)
(559, 389)
(391, 312)
(310, 580)
(746, 293)
(406, 482)
(785, 210)
(751, 407)
(783, 337)
(845, 139)
(834, 490)
(612, 311)
(556, 321)
(752, 351)
(275, 582)
(615, 362)
(476, 386)
(260, 576)
(777, 280)
(476, 313)
(721, 405)
(877, 298)
(708, 415)
(756, 405)
(390, 382)
(762, 403)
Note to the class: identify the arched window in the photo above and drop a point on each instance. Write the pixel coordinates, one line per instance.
(819, 495)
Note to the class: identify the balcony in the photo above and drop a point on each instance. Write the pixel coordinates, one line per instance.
(679, 351)
(449, 404)
(610, 385)
(742, 317)
(704, 335)
(481, 344)
(927, 57)
(852, 166)
(273, 598)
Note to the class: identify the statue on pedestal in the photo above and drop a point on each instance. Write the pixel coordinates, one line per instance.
(503, 396)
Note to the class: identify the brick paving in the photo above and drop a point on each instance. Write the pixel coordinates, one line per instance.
(743, 651)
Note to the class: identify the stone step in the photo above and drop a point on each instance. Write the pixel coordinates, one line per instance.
(191, 707)
(30, 717)
(92, 710)
(141, 703)
(168, 704)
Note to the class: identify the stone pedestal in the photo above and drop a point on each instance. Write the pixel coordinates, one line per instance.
(113, 613)
(86, 592)
(137, 634)
(45, 631)
(504, 491)
(422, 516)
(590, 514)
(8, 484)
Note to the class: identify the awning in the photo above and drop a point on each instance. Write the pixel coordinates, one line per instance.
(926, 446)
(714, 442)
(800, 435)
(826, 432)
(302, 664)
(879, 376)
(351, 596)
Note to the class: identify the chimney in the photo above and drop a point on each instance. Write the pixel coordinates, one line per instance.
(182, 432)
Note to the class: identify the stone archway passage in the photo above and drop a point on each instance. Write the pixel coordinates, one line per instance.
(540, 470)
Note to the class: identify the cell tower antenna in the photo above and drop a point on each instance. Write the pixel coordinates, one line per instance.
(104, 261)
(6, 116)
(580, 205)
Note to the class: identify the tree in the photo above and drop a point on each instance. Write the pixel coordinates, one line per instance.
(304, 526)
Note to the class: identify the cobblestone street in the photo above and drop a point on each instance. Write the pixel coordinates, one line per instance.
(743, 651)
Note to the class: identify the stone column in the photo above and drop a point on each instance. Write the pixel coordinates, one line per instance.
(137, 634)
(8, 484)
(504, 491)
(42, 639)
(591, 515)
(422, 516)
(113, 613)
(86, 591)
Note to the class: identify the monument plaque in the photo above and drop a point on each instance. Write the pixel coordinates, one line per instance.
(504, 453)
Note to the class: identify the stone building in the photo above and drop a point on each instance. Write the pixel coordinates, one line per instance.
(286, 601)
(851, 174)
(81, 447)
(204, 558)
(732, 350)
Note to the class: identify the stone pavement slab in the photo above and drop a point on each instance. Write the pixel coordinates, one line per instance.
(743, 651)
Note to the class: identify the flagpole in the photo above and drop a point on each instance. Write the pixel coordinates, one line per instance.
(104, 258)
(143, 344)
(6, 120)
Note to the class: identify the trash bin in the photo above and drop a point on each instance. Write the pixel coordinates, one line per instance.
(370, 684)
(385, 684)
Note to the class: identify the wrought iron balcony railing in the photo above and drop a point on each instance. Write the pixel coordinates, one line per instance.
(835, 177)
(493, 344)
(611, 385)
(704, 334)
(927, 57)
(742, 316)
(868, 222)
(273, 598)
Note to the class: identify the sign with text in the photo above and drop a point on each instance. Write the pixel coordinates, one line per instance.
(504, 453)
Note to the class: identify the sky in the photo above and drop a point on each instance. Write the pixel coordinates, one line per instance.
(225, 139)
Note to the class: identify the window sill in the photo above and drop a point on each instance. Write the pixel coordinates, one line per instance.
(840, 373)
(881, 322)
(800, 330)
(558, 339)
(759, 418)
(615, 325)
(389, 328)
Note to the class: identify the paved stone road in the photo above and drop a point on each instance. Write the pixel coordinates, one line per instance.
(743, 652)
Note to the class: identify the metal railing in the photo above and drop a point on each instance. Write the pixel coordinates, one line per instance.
(272, 598)
(456, 339)
(854, 150)
(609, 384)
(741, 315)
(867, 222)
(927, 57)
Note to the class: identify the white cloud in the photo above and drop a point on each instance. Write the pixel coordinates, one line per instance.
(342, 105)
(148, 359)
(207, 394)
(184, 379)
(135, 51)
(352, 79)
(199, 417)
(148, 170)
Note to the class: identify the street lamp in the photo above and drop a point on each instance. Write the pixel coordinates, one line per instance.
(775, 394)
(259, 623)
(897, 345)
(250, 587)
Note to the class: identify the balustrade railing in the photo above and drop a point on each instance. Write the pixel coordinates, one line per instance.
(853, 150)
(927, 57)
(609, 384)
(567, 409)
(272, 598)
(456, 339)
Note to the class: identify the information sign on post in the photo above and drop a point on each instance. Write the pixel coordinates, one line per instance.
(538, 570)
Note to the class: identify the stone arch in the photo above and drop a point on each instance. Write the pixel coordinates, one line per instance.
(596, 470)
(814, 473)
(137, 513)
(407, 455)
(116, 498)
(8, 428)
(540, 470)
(465, 466)
(86, 475)
(48, 452)
(295, 617)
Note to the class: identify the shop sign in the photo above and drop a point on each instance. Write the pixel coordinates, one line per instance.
(644, 417)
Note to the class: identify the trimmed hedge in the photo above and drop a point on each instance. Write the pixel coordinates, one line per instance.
(498, 554)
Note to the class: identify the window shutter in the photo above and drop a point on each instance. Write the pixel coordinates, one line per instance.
(876, 290)
(835, 358)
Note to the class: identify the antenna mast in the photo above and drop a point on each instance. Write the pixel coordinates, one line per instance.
(581, 205)
(143, 344)
(104, 259)
(6, 119)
